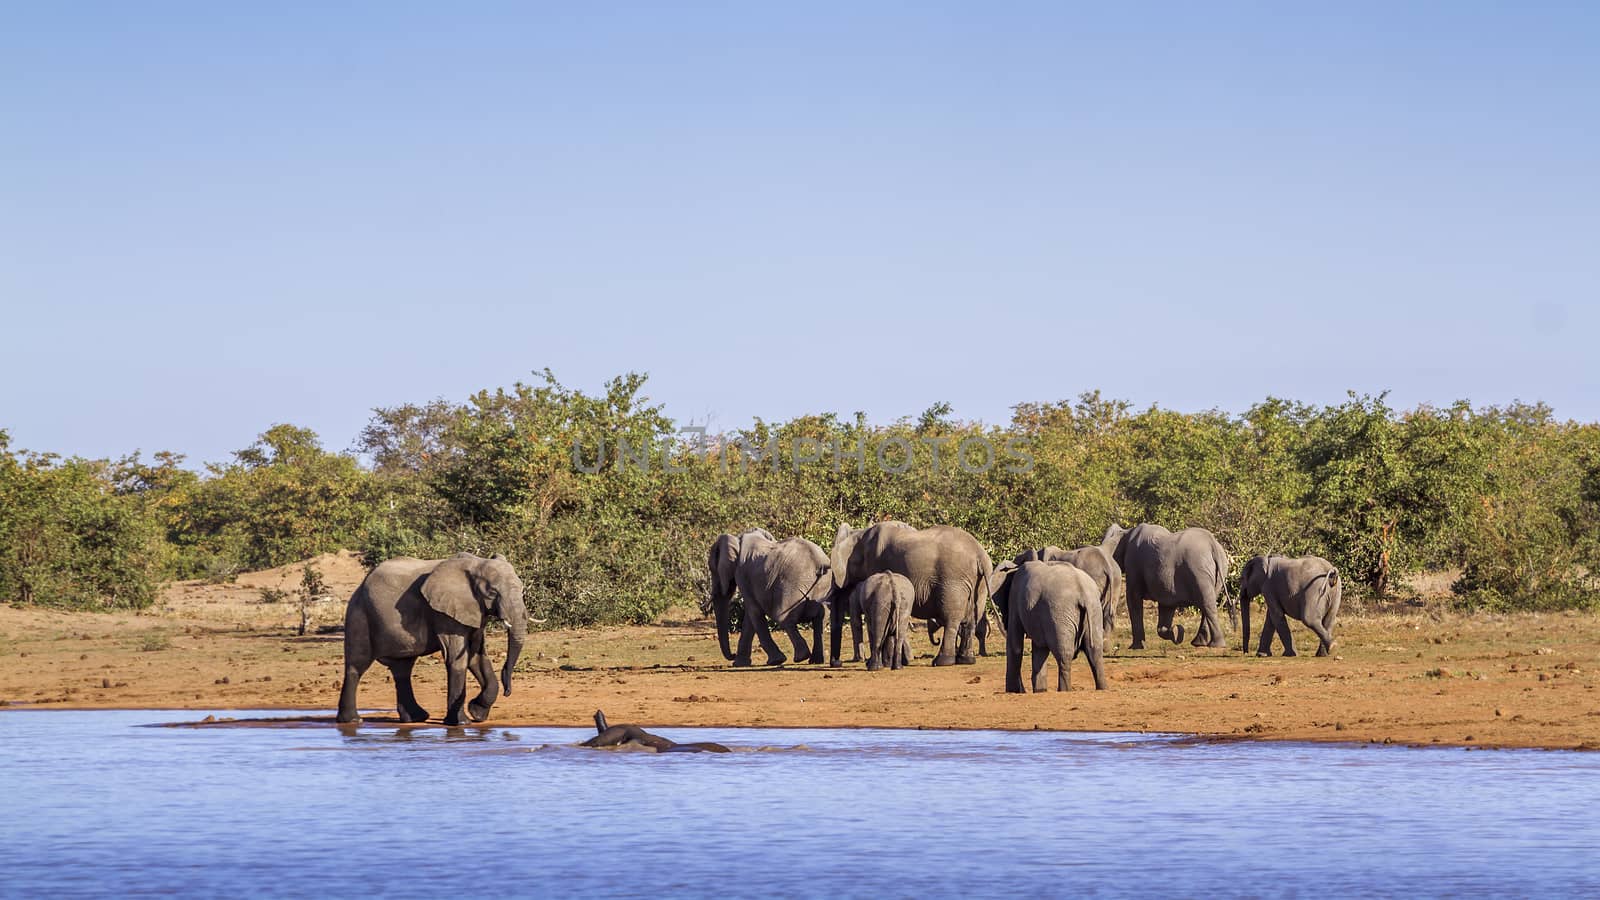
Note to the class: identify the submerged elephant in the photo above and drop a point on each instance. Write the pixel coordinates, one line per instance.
(885, 600)
(1056, 605)
(407, 607)
(1096, 562)
(1183, 569)
(1307, 588)
(786, 581)
(947, 567)
(615, 736)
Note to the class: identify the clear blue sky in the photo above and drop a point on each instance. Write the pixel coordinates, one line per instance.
(216, 216)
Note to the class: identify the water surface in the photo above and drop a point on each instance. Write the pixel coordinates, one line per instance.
(93, 802)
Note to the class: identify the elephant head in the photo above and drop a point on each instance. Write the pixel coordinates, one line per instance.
(1000, 588)
(722, 564)
(844, 546)
(1252, 584)
(467, 588)
(1114, 542)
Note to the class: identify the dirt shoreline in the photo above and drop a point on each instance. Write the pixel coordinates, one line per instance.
(1418, 676)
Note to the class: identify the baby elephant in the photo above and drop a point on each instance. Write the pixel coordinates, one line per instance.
(885, 599)
(1057, 605)
(1307, 588)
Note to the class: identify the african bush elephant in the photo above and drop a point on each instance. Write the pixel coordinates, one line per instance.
(1188, 568)
(981, 632)
(1057, 606)
(1307, 587)
(885, 600)
(947, 567)
(407, 607)
(1097, 563)
(785, 580)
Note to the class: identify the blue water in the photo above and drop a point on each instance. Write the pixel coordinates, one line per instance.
(94, 803)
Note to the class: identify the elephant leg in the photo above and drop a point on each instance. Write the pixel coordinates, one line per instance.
(836, 615)
(1063, 662)
(1164, 615)
(758, 617)
(405, 700)
(855, 636)
(1324, 637)
(982, 632)
(802, 650)
(488, 684)
(1268, 629)
(1014, 656)
(1095, 650)
(1210, 633)
(353, 670)
(1041, 655)
(1136, 612)
(817, 655)
(1281, 621)
(747, 634)
(454, 648)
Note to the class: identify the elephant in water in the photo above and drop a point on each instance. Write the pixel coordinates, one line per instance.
(785, 580)
(609, 736)
(1307, 588)
(1096, 562)
(1057, 606)
(948, 569)
(885, 600)
(406, 608)
(1188, 568)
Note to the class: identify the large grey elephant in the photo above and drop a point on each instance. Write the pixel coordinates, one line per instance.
(947, 567)
(1056, 605)
(1306, 587)
(1097, 563)
(407, 607)
(885, 600)
(1185, 569)
(786, 581)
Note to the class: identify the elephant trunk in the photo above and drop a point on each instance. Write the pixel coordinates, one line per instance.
(516, 635)
(721, 606)
(1244, 614)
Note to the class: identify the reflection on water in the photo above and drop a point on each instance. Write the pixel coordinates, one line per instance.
(93, 802)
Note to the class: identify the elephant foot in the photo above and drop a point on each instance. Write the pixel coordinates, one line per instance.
(968, 660)
(477, 712)
(873, 665)
(1290, 653)
(815, 660)
(778, 660)
(1177, 634)
(1264, 653)
(1136, 645)
(414, 715)
(741, 664)
(348, 719)
(1324, 651)
(453, 721)
(836, 664)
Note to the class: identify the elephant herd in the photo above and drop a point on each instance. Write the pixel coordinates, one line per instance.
(878, 578)
(1063, 601)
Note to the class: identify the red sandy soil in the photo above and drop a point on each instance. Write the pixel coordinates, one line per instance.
(1416, 674)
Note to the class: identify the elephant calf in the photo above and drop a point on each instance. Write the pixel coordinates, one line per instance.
(1057, 606)
(1307, 587)
(885, 599)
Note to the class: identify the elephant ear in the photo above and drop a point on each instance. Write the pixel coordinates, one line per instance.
(724, 555)
(449, 590)
(844, 543)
